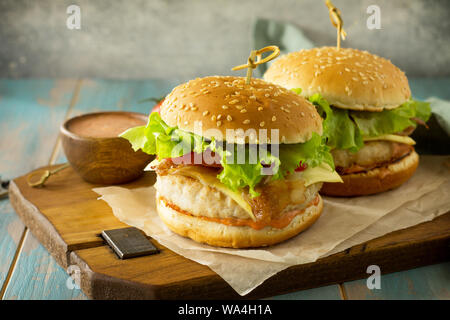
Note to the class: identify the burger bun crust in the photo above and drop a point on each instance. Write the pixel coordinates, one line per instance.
(374, 181)
(222, 235)
(347, 78)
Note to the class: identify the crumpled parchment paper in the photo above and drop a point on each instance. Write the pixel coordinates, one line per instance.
(345, 222)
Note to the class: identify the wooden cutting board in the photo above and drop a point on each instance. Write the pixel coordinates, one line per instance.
(67, 219)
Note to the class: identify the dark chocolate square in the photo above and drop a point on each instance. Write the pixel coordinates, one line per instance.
(129, 242)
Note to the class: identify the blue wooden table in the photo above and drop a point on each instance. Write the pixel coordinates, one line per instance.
(31, 112)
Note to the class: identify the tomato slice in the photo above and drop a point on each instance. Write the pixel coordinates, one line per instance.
(301, 167)
(157, 106)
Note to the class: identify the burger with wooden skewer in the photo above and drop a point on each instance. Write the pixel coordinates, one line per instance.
(368, 112)
(239, 161)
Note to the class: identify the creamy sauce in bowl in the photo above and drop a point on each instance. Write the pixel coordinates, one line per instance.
(105, 125)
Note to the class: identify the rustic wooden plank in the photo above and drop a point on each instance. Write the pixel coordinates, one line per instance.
(38, 276)
(66, 215)
(163, 276)
(429, 282)
(30, 112)
(168, 275)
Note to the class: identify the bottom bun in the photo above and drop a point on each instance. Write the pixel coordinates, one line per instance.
(374, 181)
(222, 235)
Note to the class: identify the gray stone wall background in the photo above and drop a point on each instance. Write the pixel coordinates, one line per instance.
(183, 39)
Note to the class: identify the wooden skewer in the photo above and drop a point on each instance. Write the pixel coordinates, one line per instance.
(256, 55)
(43, 176)
(336, 20)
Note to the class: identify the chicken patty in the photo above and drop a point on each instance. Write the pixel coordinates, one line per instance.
(373, 154)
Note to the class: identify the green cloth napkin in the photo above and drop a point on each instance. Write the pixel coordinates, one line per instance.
(289, 38)
(285, 36)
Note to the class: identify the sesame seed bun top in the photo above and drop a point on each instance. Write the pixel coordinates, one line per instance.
(347, 78)
(210, 106)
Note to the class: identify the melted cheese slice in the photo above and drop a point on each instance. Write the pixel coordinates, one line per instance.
(393, 138)
(321, 173)
(209, 178)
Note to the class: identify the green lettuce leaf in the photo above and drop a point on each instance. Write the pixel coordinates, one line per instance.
(312, 153)
(237, 175)
(169, 142)
(339, 129)
(346, 129)
(373, 124)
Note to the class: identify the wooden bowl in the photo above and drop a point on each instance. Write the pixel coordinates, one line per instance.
(103, 160)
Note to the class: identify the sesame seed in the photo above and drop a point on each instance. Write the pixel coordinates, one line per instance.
(243, 111)
(261, 124)
(246, 121)
(302, 113)
(219, 117)
(229, 118)
(219, 123)
(234, 101)
(205, 113)
(260, 108)
(224, 107)
(274, 118)
(213, 118)
(267, 95)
